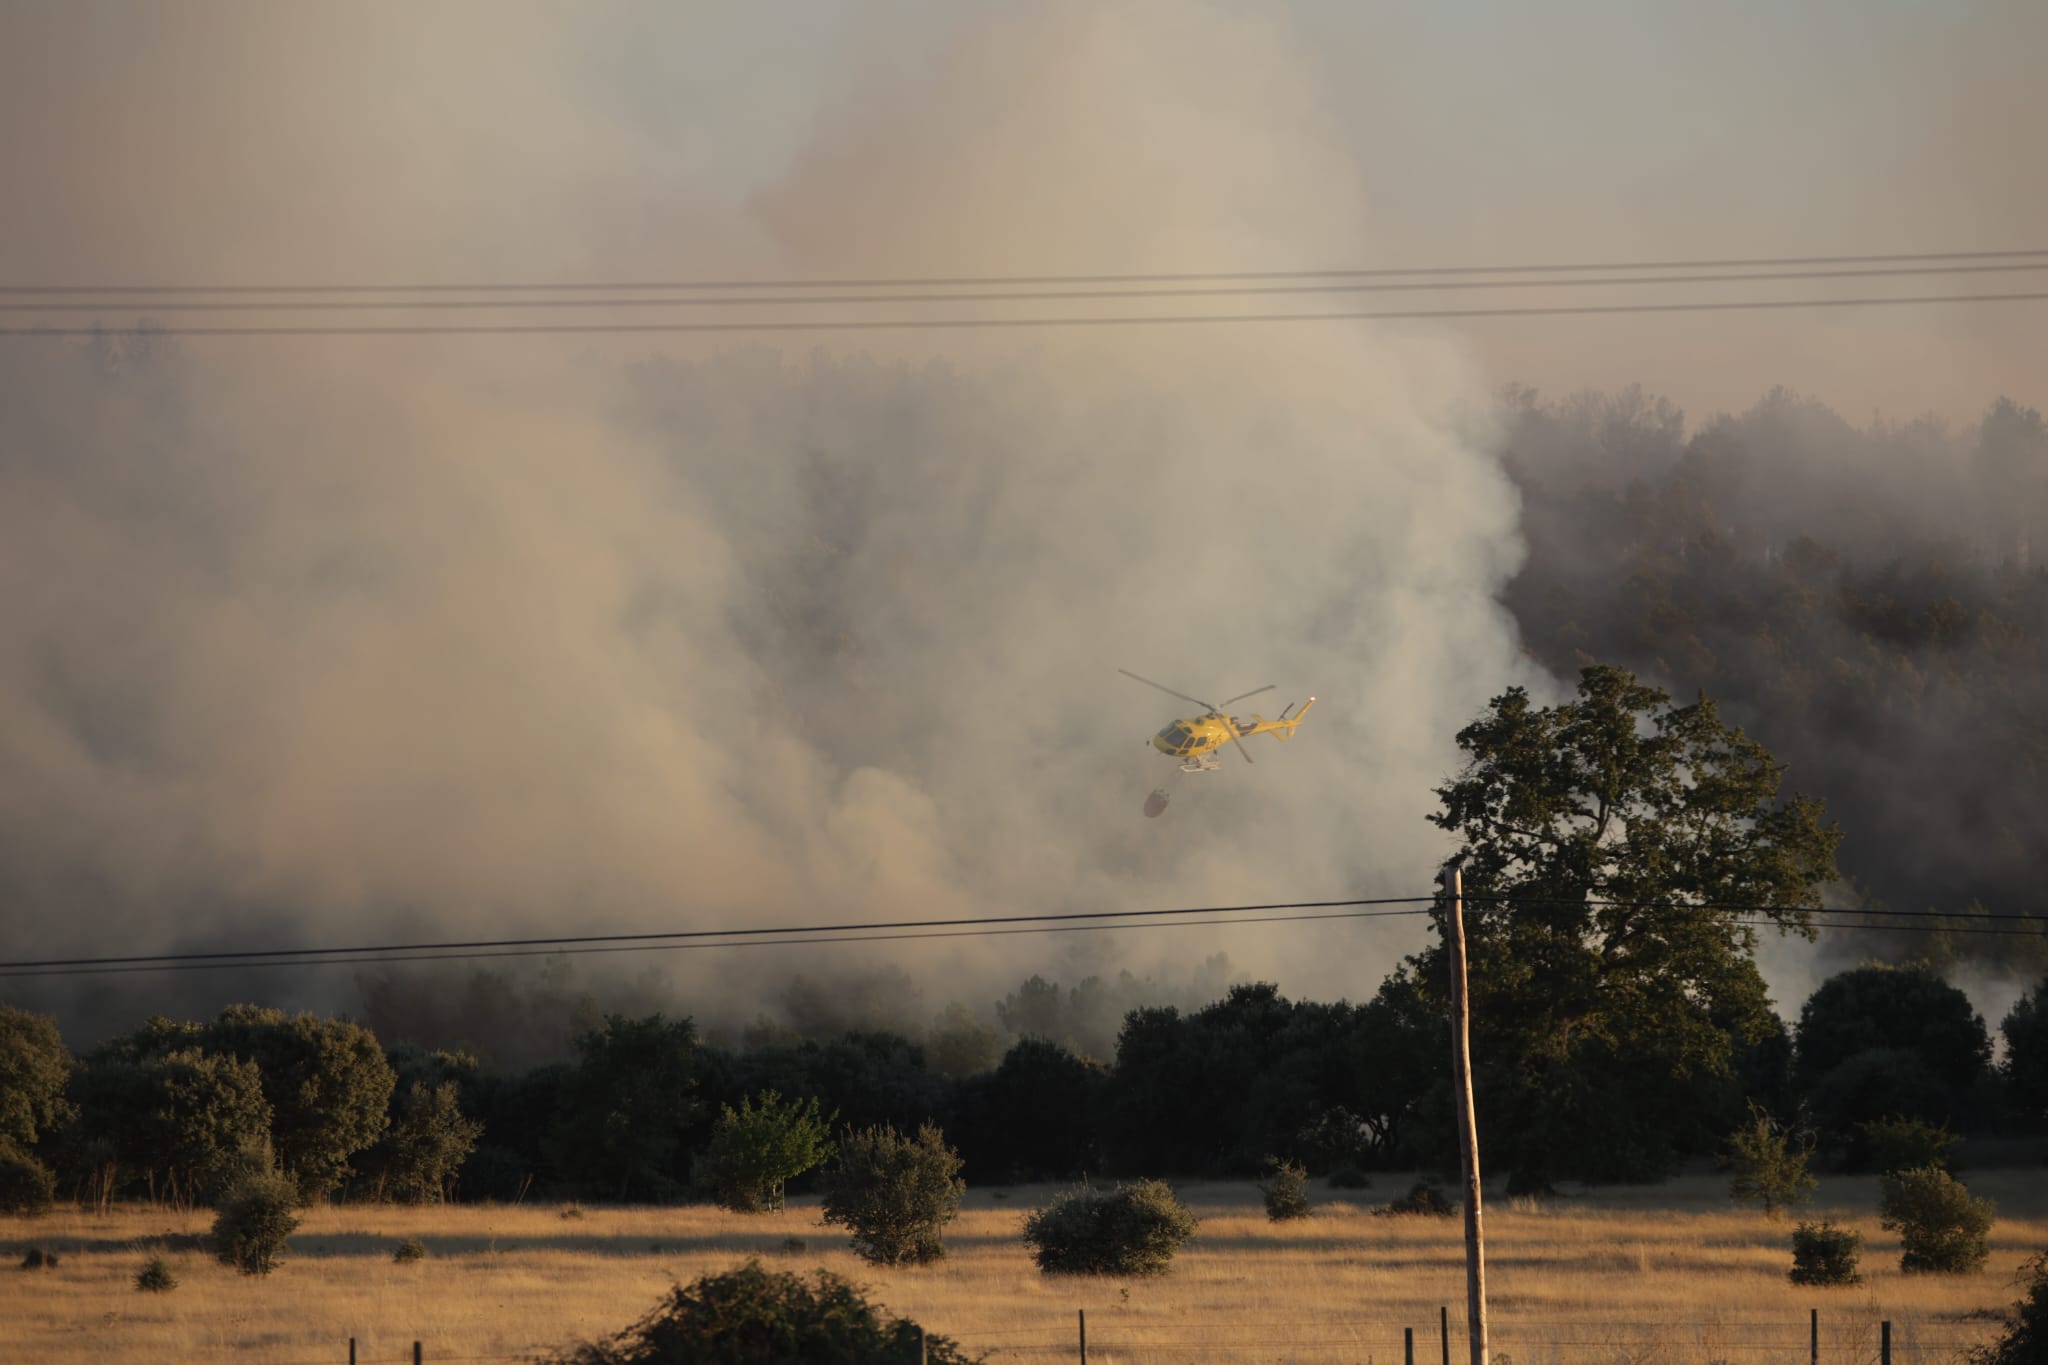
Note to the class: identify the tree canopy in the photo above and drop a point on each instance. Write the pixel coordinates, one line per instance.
(1620, 852)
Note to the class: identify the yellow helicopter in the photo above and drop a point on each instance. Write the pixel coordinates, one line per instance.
(1194, 741)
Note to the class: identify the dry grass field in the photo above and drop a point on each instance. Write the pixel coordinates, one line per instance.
(1668, 1273)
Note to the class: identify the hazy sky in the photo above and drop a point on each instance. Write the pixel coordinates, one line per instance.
(242, 141)
(322, 638)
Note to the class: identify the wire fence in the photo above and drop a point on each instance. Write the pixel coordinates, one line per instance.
(1834, 1338)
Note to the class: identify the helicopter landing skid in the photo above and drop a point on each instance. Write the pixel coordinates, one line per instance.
(1203, 763)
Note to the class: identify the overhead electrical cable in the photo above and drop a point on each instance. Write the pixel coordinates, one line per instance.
(393, 954)
(441, 303)
(396, 958)
(683, 934)
(976, 281)
(1012, 323)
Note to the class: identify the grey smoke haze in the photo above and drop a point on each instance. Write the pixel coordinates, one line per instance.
(325, 641)
(406, 641)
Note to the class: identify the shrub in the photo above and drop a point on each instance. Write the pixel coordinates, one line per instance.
(2026, 1337)
(756, 1149)
(255, 1219)
(1130, 1230)
(895, 1194)
(1769, 1165)
(27, 1189)
(39, 1259)
(1825, 1254)
(156, 1277)
(1906, 1144)
(1943, 1227)
(1285, 1189)
(1422, 1198)
(410, 1250)
(1349, 1178)
(752, 1316)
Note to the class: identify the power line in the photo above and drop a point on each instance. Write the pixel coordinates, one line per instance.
(992, 926)
(975, 281)
(992, 323)
(693, 934)
(442, 303)
(401, 957)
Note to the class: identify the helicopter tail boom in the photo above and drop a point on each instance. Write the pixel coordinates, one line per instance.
(1283, 728)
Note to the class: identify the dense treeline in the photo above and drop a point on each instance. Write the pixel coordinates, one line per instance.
(177, 1111)
(1872, 603)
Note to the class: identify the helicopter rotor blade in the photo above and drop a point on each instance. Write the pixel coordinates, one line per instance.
(1240, 746)
(1169, 691)
(1253, 693)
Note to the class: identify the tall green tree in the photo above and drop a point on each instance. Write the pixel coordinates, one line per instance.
(1878, 1042)
(182, 1124)
(1620, 850)
(625, 1105)
(327, 1083)
(2026, 1054)
(34, 1068)
(429, 1139)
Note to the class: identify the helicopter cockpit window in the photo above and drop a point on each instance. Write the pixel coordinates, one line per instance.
(1174, 735)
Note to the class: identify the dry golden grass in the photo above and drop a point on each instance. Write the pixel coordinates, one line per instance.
(1668, 1273)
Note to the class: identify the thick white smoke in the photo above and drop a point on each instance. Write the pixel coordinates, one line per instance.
(338, 641)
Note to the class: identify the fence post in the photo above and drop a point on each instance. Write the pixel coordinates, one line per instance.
(1408, 1345)
(1084, 1334)
(1884, 1342)
(1443, 1329)
(351, 1351)
(415, 1353)
(1813, 1336)
(920, 1346)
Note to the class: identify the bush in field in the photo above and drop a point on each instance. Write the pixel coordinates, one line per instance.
(1769, 1165)
(1422, 1199)
(1907, 1144)
(1129, 1230)
(255, 1220)
(156, 1277)
(1943, 1227)
(39, 1259)
(756, 1148)
(2026, 1338)
(410, 1250)
(1825, 1254)
(895, 1194)
(1285, 1190)
(752, 1316)
(26, 1186)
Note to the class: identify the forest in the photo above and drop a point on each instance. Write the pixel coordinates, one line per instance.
(175, 1110)
(1867, 601)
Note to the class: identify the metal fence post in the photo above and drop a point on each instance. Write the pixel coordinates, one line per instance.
(1813, 1337)
(351, 1351)
(416, 1353)
(1443, 1330)
(1884, 1342)
(1083, 1313)
(1408, 1345)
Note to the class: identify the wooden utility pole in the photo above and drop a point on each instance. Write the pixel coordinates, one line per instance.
(1468, 1127)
